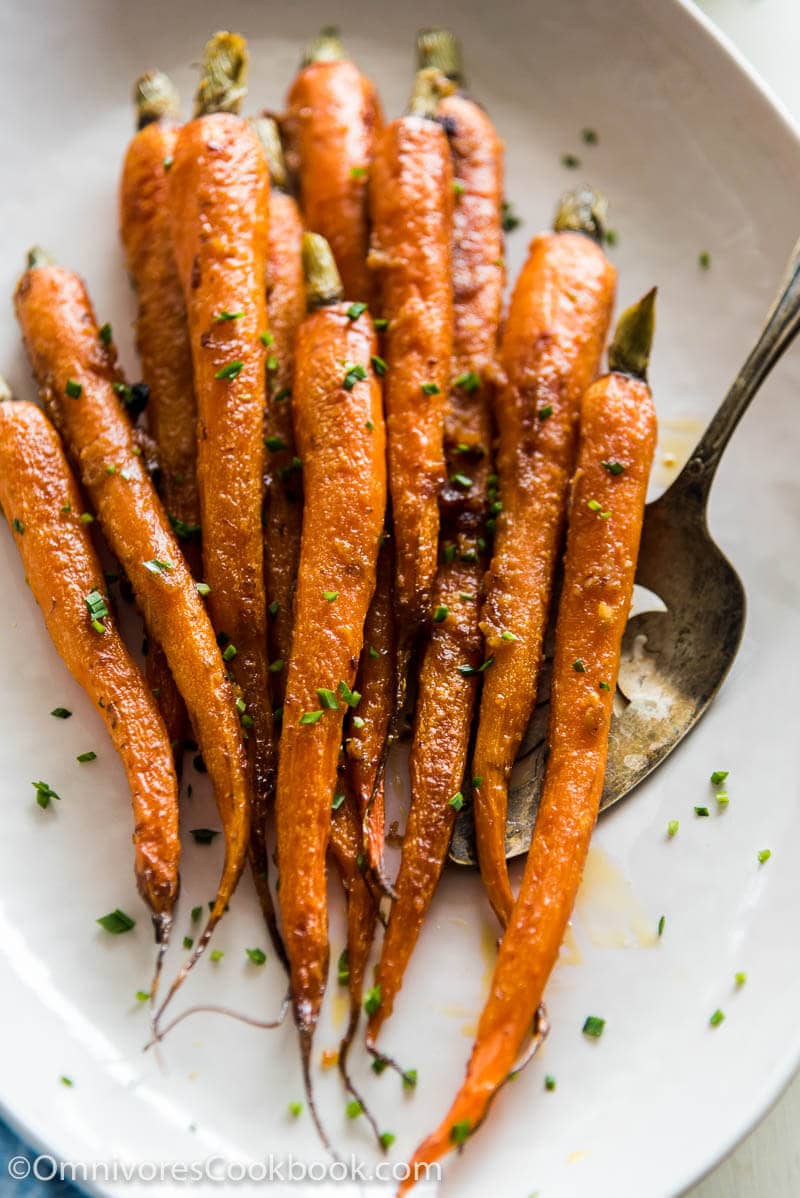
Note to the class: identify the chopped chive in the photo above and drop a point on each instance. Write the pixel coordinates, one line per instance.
(276, 666)
(61, 713)
(477, 779)
(327, 698)
(105, 334)
(508, 636)
(159, 567)
(604, 686)
(355, 310)
(202, 588)
(469, 381)
(66, 1081)
(611, 237)
(330, 596)
(449, 553)
(410, 1078)
(86, 518)
(661, 923)
(96, 606)
(458, 188)
(223, 315)
(353, 374)
(379, 1063)
(704, 260)
(168, 161)
(613, 467)
(274, 608)
(589, 137)
(549, 1082)
(44, 793)
(354, 1109)
(457, 801)
(570, 161)
(764, 855)
(467, 596)
(83, 758)
(740, 978)
(461, 480)
(196, 913)
(240, 705)
(284, 393)
(116, 922)
(230, 371)
(717, 1018)
(594, 1026)
(594, 506)
(373, 652)
(272, 363)
(546, 412)
(188, 942)
(216, 955)
(430, 388)
(142, 996)
(701, 811)
(441, 613)
(266, 338)
(719, 776)
(381, 324)
(387, 1138)
(295, 1109)
(378, 365)
(229, 652)
(357, 721)
(310, 717)
(459, 1132)
(256, 955)
(337, 801)
(358, 172)
(18, 526)
(508, 217)
(73, 389)
(373, 999)
(66, 508)
(204, 835)
(578, 666)
(351, 698)
(723, 798)
(672, 827)
(343, 968)
(275, 444)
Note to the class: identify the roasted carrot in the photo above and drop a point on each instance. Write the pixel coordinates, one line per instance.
(332, 122)
(411, 202)
(368, 728)
(550, 352)
(43, 507)
(162, 340)
(362, 914)
(617, 442)
(80, 383)
(341, 441)
(449, 673)
(283, 501)
(218, 190)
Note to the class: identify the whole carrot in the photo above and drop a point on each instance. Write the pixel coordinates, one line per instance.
(411, 203)
(617, 442)
(550, 353)
(162, 339)
(449, 672)
(218, 189)
(44, 509)
(283, 501)
(341, 441)
(332, 121)
(80, 385)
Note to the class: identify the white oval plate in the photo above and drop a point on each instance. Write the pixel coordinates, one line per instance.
(694, 157)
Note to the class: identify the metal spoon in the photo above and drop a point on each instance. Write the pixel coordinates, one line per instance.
(674, 660)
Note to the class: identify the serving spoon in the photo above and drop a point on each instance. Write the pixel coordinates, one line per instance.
(674, 659)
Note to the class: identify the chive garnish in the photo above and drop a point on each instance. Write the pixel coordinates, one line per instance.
(155, 566)
(704, 260)
(719, 776)
(84, 758)
(44, 793)
(353, 374)
(378, 365)
(441, 613)
(672, 827)
(310, 717)
(549, 1082)
(457, 801)
(661, 923)
(430, 389)
(327, 698)
(387, 1138)
(351, 698)
(373, 999)
(275, 444)
(740, 978)
(73, 389)
(330, 596)
(459, 1132)
(295, 1109)
(508, 217)
(104, 333)
(593, 1026)
(613, 467)
(223, 315)
(230, 371)
(256, 955)
(116, 922)
(764, 855)
(570, 161)
(204, 835)
(546, 412)
(355, 310)
(469, 381)
(229, 652)
(202, 588)
(188, 942)
(266, 338)
(578, 666)
(717, 1018)
(216, 955)
(381, 324)
(61, 713)
(337, 801)
(343, 968)
(18, 526)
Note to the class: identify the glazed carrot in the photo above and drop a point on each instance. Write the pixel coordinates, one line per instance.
(618, 429)
(332, 121)
(550, 352)
(43, 507)
(449, 673)
(218, 190)
(341, 440)
(362, 915)
(79, 384)
(283, 502)
(162, 340)
(411, 201)
(368, 728)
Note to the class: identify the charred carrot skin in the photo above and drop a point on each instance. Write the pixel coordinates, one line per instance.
(340, 437)
(411, 197)
(446, 694)
(618, 424)
(283, 502)
(550, 353)
(365, 745)
(332, 122)
(219, 202)
(76, 372)
(43, 507)
(162, 340)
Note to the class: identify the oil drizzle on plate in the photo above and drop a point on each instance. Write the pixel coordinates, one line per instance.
(607, 911)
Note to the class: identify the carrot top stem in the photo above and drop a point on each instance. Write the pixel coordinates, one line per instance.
(39, 257)
(430, 88)
(269, 135)
(439, 49)
(155, 97)
(323, 285)
(223, 75)
(327, 46)
(583, 210)
(629, 351)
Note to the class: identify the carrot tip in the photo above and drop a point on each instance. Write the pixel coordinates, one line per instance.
(583, 210)
(327, 46)
(439, 48)
(323, 285)
(629, 351)
(430, 88)
(155, 97)
(223, 79)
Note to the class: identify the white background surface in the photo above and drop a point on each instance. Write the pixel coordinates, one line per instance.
(767, 1164)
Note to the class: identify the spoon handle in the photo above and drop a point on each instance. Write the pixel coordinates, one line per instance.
(781, 325)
